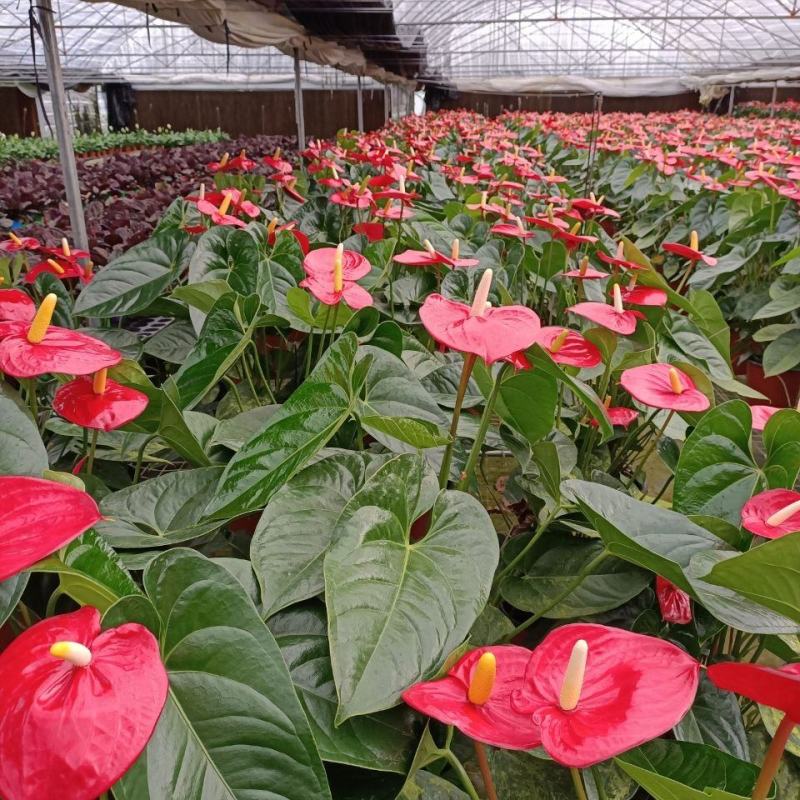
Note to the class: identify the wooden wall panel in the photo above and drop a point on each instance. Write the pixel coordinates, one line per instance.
(17, 112)
(258, 111)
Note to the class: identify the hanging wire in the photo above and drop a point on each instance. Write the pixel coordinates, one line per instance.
(227, 47)
(594, 134)
(34, 29)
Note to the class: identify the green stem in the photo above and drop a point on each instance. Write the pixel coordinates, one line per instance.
(248, 376)
(458, 768)
(577, 782)
(685, 277)
(525, 550)
(52, 603)
(772, 760)
(333, 324)
(483, 428)
(137, 473)
(324, 333)
(92, 448)
(232, 386)
(261, 374)
(466, 371)
(652, 445)
(573, 585)
(309, 348)
(33, 400)
(622, 451)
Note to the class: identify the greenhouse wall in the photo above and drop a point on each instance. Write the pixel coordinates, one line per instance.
(271, 112)
(17, 112)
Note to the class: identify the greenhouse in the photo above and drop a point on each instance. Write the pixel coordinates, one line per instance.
(400, 400)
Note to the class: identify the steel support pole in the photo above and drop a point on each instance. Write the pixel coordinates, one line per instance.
(774, 99)
(731, 100)
(66, 153)
(360, 104)
(387, 103)
(299, 111)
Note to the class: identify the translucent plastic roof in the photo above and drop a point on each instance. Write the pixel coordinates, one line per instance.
(462, 40)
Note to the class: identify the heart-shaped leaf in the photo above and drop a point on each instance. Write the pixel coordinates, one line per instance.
(397, 608)
(253, 740)
(22, 451)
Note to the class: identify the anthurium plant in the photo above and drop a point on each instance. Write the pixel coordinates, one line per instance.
(409, 468)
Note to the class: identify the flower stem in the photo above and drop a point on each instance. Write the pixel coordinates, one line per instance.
(324, 333)
(685, 277)
(458, 768)
(92, 448)
(577, 782)
(486, 773)
(652, 445)
(483, 428)
(137, 473)
(772, 760)
(598, 784)
(466, 371)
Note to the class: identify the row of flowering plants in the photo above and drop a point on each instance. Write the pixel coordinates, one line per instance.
(432, 482)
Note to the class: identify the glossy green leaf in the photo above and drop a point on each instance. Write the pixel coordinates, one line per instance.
(527, 402)
(303, 425)
(253, 740)
(173, 343)
(613, 583)
(383, 741)
(378, 582)
(132, 281)
(235, 431)
(688, 771)
(783, 353)
(22, 451)
(89, 572)
(297, 527)
(174, 428)
(716, 473)
(655, 538)
(781, 438)
(11, 590)
(159, 512)
(715, 719)
(766, 574)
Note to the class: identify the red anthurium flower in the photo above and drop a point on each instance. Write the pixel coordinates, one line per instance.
(16, 306)
(63, 270)
(551, 177)
(69, 691)
(28, 350)
(355, 196)
(773, 513)
(98, 402)
(332, 274)
(619, 260)
(288, 183)
(617, 415)
(218, 206)
(549, 222)
(397, 194)
(675, 604)
(65, 252)
(592, 207)
(585, 272)
(644, 296)
(240, 163)
(491, 333)
(475, 697)
(761, 414)
(566, 346)
(273, 229)
(614, 316)
(428, 256)
(372, 230)
(396, 211)
(663, 386)
(691, 253)
(277, 163)
(37, 517)
(14, 244)
(776, 687)
(485, 206)
(572, 238)
(595, 692)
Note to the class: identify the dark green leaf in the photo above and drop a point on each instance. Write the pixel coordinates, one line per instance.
(527, 402)
(21, 449)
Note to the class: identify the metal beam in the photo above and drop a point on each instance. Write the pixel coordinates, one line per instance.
(360, 105)
(731, 100)
(66, 152)
(774, 98)
(299, 111)
(387, 103)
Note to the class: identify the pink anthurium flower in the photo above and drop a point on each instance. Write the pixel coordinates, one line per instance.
(593, 207)
(613, 316)
(429, 256)
(663, 386)
(773, 513)
(690, 253)
(475, 697)
(617, 415)
(69, 691)
(484, 206)
(99, 403)
(38, 517)
(595, 692)
(35, 348)
(566, 346)
(674, 603)
(491, 333)
(206, 204)
(396, 212)
(332, 273)
(572, 238)
(585, 272)
(761, 414)
(515, 230)
(16, 306)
